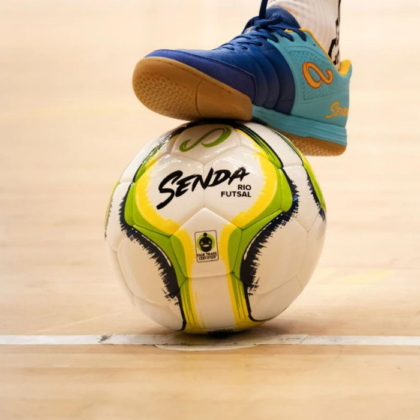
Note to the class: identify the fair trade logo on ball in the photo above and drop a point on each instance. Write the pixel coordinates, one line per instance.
(206, 246)
(176, 185)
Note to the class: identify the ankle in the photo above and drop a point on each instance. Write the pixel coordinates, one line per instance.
(321, 17)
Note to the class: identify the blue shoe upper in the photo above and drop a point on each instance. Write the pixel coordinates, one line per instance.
(250, 63)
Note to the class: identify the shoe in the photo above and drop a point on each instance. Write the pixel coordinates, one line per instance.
(274, 73)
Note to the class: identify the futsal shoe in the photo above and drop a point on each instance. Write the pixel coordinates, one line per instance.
(275, 72)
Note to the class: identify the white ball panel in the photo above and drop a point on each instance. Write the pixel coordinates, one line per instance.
(212, 302)
(286, 154)
(132, 168)
(163, 315)
(315, 243)
(308, 210)
(141, 273)
(114, 235)
(113, 260)
(273, 303)
(281, 257)
(201, 153)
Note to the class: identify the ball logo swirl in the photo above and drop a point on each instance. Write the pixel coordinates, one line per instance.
(225, 134)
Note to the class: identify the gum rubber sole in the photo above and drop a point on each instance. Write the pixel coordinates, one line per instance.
(177, 90)
(315, 147)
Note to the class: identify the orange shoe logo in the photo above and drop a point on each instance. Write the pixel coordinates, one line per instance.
(338, 111)
(315, 84)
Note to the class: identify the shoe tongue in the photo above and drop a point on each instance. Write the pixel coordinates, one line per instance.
(287, 18)
(271, 13)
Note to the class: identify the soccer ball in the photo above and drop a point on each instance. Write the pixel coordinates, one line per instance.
(216, 227)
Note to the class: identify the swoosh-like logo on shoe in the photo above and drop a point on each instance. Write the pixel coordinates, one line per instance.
(316, 84)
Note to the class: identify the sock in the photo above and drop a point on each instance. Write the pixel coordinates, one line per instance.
(321, 17)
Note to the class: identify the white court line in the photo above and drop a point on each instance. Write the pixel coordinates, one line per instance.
(201, 343)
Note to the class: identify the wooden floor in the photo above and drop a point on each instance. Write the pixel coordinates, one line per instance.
(69, 123)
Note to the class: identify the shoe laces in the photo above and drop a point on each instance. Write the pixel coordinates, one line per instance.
(260, 29)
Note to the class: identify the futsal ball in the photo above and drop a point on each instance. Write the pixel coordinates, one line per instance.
(216, 227)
